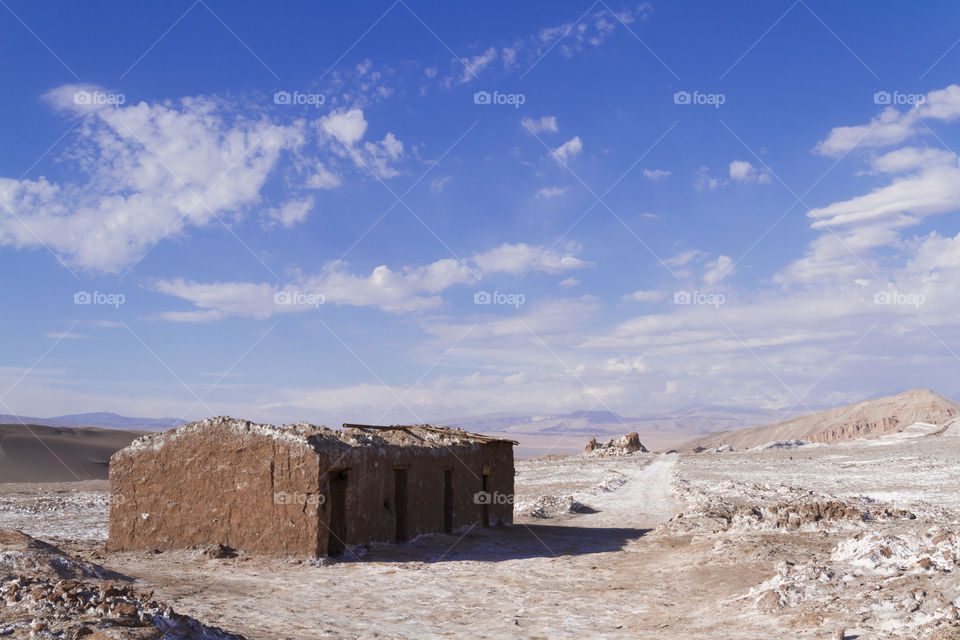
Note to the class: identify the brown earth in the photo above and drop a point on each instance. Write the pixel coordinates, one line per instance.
(38, 453)
(871, 418)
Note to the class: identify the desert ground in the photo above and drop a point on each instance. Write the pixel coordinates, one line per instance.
(854, 540)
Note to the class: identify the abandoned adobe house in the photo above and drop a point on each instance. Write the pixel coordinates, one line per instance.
(304, 489)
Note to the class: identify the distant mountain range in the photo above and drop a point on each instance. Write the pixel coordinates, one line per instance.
(655, 429)
(101, 419)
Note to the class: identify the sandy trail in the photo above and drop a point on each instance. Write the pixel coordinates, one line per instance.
(645, 501)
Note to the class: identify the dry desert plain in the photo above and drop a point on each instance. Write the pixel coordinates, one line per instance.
(859, 538)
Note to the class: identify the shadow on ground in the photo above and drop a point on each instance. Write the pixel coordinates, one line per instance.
(500, 543)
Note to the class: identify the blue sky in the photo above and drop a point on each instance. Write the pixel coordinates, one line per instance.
(297, 212)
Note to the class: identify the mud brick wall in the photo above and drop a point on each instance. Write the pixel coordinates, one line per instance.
(216, 486)
(266, 489)
(370, 498)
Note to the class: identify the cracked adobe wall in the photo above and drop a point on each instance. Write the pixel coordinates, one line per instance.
(215, 485)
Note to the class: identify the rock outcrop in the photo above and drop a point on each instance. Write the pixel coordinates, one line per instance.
(872, 418)
(622, 446)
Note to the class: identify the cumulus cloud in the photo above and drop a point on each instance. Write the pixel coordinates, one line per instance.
(323, 178)
(568, 150)
(346, 129)
(289, 213)
(405, 289)
(151, 171)
(743, 171)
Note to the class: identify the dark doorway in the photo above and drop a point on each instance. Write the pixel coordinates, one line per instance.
(485, 505)
(400, 503)
(336, 542)
(448, 500)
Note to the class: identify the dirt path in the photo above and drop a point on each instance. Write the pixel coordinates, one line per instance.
(644, 501)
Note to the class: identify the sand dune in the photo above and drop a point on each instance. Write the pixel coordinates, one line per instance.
(36, 453)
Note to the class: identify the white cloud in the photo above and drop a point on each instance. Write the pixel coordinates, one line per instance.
(323, 178)
(568, 150)
(655, 174)
(551, 192)
(645, 295)
(517, 258)
(705, 180)
(892, 126)
(682, 258)
(911, 158)
(409, 288)
(289, 213)
(154, 171)
(718, 269)
(743, 171)
(538, 125)
(439, 184)
(569, 282)
(933, 190)
(348, 128)
(65, 335)
(472, 67)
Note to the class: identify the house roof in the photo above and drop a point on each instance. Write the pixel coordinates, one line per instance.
(317, 437)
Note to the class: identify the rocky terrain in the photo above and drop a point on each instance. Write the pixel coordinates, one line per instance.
(859, 539)
(871, 418)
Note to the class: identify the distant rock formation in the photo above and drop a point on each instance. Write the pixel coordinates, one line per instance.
(872, 418)
(622, 446)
